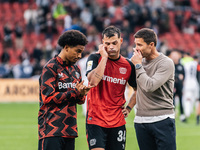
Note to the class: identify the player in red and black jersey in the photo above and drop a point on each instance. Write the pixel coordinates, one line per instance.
(109, 72)
(61, 89)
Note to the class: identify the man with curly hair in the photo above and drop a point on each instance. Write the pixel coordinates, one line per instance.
(61, 88)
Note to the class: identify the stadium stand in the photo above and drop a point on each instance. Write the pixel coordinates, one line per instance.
(42, 25)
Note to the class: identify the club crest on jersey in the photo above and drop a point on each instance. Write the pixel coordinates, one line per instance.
(77, 75)
(122, 70)
(60, 75)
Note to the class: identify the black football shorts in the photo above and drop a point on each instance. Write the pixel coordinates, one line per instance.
(58, 143)
(107, 138)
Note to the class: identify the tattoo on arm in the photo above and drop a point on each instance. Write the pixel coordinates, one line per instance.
(98, 76)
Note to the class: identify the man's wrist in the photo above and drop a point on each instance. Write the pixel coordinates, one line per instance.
(128, 108)
(138, 66)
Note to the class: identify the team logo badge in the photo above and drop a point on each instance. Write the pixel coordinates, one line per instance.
(122, 70)
(60, 75)
(93, 142)
(89, 65)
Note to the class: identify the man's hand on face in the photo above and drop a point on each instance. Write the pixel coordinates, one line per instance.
(103, 51)
(137, 57)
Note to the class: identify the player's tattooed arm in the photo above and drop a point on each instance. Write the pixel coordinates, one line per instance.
(97, 75)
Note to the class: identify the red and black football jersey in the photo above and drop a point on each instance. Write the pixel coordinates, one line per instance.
(105, 101)
(58, 97)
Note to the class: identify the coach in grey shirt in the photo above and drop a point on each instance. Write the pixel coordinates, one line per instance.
(155, 118)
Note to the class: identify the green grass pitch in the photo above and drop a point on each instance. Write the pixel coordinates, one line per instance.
(18, 129)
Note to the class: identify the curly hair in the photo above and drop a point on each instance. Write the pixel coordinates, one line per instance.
(72, 38)
(148, 35)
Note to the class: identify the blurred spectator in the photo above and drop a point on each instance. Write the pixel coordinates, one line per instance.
(186, 58)
(118, 17)
(37, 52)
(67, 21)
(178, 19)
(86, 16)
(188, 29)
(155, 4)
(30, 16)
(106, 21)
(81, 3)
(75, 25)
(5, 57)
(47, 49)
(93, 38)
(154, 17)
(5, 67)
(144, 16)
(132, 11)
(41, 21)
(5, 71)
(100, 15)
(126, 29)
(169, 4)
(164, 46)
(50, 27)
(124, 47)
(179, 81)
(191, 88)
(7, 40)
(37, 68)
(75, 10)
(24, 55)
(58, 10)
(130, 51)
(163, 21)
(24, 68)
(45, 5)
(19, 42)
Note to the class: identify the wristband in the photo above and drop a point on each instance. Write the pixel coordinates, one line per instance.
(128, 108)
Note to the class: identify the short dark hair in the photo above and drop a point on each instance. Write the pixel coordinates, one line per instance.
(72, 38)
(110, 31)
(148, 35)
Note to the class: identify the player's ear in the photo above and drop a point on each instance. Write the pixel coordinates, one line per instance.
(66, 47)
(152, 44)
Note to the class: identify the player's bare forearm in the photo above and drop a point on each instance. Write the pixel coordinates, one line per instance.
(96, 75)
(132, 100)
(126, 110)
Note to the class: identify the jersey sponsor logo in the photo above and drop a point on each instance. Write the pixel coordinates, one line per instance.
(93, 142)
(66, 85)
(89, 65)
(122, 70)
(114, 80)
